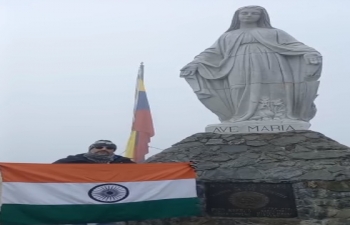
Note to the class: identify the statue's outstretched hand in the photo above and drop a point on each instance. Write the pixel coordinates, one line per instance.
(189, 69)
(313, 58)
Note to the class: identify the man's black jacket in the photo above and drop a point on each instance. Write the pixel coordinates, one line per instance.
(81, 159)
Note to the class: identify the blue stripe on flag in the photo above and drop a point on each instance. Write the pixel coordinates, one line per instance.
(142, 101)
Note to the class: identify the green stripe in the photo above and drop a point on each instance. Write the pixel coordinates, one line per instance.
(70, 214)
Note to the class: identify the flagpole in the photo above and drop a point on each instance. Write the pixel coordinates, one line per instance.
(142, 124)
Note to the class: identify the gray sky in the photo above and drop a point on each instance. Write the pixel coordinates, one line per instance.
(68, 68)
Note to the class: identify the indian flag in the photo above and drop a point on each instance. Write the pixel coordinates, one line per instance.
(96, 193)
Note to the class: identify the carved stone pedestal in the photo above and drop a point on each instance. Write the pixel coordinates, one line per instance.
(269, 126)
(290, 178)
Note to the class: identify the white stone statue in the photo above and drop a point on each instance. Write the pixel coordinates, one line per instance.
(256, 75)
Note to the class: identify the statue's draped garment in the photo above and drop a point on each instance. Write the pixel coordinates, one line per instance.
(245, 66)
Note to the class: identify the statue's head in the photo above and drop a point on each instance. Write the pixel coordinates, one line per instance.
(250, 14)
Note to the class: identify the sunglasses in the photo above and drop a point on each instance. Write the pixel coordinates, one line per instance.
(109, 147)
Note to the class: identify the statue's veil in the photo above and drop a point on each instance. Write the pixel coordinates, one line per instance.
(263, 22)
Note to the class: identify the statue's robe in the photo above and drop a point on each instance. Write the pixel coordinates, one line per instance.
(247, 69)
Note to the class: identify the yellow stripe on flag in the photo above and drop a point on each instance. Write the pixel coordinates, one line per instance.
(130, 148)
(141, 86)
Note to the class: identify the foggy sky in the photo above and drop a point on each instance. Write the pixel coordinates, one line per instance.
(68, 68)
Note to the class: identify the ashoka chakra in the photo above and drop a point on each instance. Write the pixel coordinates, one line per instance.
(108, 193)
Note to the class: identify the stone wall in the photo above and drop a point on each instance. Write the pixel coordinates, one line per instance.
(317, 167)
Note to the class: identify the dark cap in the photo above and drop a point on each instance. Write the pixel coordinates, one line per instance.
(101, 143)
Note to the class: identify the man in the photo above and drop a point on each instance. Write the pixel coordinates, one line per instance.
(102, 151)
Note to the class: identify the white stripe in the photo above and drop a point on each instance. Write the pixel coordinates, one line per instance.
(77, 193)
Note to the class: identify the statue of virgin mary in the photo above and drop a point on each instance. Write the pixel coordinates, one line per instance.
(255, 72)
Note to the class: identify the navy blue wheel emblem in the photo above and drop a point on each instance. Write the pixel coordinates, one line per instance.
(108, 193)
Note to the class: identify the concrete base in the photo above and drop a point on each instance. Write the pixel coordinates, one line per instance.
(271, 126)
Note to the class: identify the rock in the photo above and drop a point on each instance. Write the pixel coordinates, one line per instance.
(281, 150)
(276, 156)
(207, 166)
(182, 157)
(343, 203)
(343, 213)
(284, 141)
(345, 163)
(248, 173)
(320, 155)
(267, 136)
(267, 166)
(317, 175)
(263, 149)
(226, 173)
(321, 144)
(251, 155)
(336, 168)
(327, 162)
(215, 142)
(299, 148)
(234, 149)
(310, 222)
(214, 148)
(331, 212)
(237, 142)
(244, 173)
(220, 158)
(194, 152)
(251, 137)
(287, 164)
(187, 145)
(256, 143)
(313, 135)
(218, 174)
(240, 162)
(203, 135)
(341, 186)
(310, 165)
(204, 140)
(282, 173)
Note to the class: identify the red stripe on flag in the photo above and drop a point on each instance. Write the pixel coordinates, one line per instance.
(143, 122)
(141, 148)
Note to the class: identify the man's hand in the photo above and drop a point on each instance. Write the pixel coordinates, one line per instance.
(194, 165)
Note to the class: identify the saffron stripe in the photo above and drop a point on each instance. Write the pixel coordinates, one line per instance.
(94, 173)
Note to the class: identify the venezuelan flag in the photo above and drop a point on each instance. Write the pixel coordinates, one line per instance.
(142, 125)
